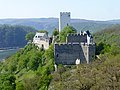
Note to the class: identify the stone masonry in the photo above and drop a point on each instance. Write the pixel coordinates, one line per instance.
(77, 46)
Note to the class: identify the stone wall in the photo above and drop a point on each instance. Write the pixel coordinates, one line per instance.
(42, 43)
(67, 54)
(76, 38)
(91, 52)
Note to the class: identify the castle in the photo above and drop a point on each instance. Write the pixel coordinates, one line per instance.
(42, 40)
(78, 48)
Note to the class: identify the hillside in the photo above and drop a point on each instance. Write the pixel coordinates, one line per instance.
(109, 35)
(102, 74)
(51, 23)
(32, 68)
(28, 69)
(14, 35)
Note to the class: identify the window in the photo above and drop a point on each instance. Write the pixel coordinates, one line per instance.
(56, 55)
(42, 46)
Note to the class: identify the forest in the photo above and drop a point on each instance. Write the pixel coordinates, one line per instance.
(33, 69)
(14, 35)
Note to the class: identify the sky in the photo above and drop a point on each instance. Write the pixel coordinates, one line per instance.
(80, 9)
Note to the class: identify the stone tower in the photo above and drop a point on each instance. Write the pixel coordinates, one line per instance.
(64, 20)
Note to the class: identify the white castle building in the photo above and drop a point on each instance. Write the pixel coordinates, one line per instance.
(64, 20)
(41, 40)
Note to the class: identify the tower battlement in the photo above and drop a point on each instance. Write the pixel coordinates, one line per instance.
(65, 13)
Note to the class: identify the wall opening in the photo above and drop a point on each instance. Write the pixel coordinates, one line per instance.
(42, 46)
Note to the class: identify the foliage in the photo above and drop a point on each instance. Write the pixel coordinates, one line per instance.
(7, 81)
(30, 36)
(13, 35)
(102, 48)
(109, 35)
(31, 67)
(66, 30)
(43, 31)
(100, 75)
(55, 32)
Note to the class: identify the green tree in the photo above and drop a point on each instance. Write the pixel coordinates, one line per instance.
(66, 30)
(43, 31)
(55, 32)
(30, 36)
(19, 85)
(7, 81)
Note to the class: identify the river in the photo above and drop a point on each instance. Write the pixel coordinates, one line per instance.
(7, 53)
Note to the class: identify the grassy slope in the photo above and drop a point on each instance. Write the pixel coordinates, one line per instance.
(109, 35)
(102, 74)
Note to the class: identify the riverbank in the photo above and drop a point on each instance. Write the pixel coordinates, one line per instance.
(5, 53)
(7, 48)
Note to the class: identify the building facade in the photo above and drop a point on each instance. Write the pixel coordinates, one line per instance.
(42, 40)
(77, 47)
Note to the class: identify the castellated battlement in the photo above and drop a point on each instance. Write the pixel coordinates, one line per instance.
(67, 44)
(65, 13)
(76, 34)
(76, 38)
(77, 46)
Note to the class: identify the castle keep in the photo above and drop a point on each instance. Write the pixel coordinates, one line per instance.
(77, 47)
(64, 20)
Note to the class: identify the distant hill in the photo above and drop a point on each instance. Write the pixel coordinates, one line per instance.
(14, 35)
(51, 23)
(108, 35)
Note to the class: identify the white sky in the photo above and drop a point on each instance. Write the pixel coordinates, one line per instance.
(82, 9)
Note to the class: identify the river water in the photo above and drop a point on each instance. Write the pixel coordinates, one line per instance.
(7, 53)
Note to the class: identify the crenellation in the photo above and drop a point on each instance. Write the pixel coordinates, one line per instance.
(78, 34)
(76, 47)
(64, 12)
